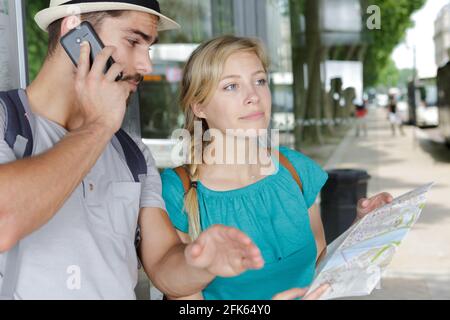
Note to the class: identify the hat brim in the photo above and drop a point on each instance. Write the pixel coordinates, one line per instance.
(45, 17)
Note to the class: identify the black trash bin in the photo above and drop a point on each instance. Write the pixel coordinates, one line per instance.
(339, 198)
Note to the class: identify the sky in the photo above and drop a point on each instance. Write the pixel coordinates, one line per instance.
(421, 35)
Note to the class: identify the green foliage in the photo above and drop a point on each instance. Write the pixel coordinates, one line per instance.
(389, 76)
(37, 40)
(395, 20)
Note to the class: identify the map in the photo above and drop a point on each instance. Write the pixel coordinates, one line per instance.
(355, 261)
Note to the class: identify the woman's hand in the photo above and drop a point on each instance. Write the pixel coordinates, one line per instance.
(297, 293)
(365, 206)
(224, 251)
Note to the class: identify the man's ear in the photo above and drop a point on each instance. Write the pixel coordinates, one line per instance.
(198, 110)
(69, 23)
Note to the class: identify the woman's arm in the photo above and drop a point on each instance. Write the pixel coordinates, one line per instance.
(318, 231)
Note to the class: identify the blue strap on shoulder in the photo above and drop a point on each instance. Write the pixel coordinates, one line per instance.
(133, 155)
(18, 123)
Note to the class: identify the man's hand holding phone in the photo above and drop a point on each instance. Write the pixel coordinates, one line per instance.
(102, 99)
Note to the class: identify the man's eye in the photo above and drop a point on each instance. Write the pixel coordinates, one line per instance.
(133, 42)
(261, 82)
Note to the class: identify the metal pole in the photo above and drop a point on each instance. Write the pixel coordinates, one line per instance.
(414, 64)
(21, 46)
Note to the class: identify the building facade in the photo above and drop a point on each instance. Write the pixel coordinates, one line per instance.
(442, 36)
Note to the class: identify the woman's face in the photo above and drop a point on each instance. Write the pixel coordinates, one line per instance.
(242, 100)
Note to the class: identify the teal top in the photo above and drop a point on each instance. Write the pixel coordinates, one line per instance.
(273, 213)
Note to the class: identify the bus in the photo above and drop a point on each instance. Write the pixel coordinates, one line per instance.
(422, 103)
(443, 84)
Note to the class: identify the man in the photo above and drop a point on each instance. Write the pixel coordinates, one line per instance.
(74, 206)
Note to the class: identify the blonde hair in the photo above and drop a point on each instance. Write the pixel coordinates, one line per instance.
(201, 76)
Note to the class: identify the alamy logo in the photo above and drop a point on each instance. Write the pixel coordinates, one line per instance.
(374, 21)
(74, 280)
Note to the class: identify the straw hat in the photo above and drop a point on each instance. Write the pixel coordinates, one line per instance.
(62, 8)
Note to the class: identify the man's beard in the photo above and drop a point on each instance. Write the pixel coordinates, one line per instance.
(137, 78)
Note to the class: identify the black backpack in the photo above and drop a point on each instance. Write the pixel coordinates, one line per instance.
(19, 135)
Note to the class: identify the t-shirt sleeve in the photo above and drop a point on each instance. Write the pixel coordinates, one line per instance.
(151, 191)
(6, 153)
(173, 194)
(313, 177)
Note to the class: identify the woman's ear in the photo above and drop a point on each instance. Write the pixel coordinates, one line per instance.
(198, 110)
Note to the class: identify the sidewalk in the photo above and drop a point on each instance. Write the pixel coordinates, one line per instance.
(421, 267)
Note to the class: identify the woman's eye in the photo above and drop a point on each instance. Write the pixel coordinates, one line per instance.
(231, 87)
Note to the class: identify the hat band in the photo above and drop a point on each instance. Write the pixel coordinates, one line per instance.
(150, 4)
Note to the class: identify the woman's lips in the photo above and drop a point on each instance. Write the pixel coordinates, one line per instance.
(253, 116)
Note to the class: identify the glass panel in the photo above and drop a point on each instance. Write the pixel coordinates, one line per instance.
(160, 113)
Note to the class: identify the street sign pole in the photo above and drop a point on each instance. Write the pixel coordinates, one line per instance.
(13, 55)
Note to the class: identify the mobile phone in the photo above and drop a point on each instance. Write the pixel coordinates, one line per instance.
(71, 42)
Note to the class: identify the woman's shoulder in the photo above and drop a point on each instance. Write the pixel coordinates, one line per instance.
(296, 157)
(173, 195)
(170, 175)
(171, 181)
(311, 174)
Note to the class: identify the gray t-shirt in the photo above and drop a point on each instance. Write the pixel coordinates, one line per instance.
(86, 251)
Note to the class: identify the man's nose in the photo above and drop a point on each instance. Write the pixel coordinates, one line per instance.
(145, 65)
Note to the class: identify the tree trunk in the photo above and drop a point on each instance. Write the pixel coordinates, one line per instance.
(298, 63)
(314, 60)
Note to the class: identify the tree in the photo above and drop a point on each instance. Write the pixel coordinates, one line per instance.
(36, 38)
(298, 58)
(306, 51)
(395, 20)
(389, 76)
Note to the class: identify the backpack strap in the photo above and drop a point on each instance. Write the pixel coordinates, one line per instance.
(184, 176)
(133, 155)
(284, 161)
(288, 165)
(138, 166)
(19, 133)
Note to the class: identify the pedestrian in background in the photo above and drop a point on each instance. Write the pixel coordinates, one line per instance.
(361, 117)
(394, 118)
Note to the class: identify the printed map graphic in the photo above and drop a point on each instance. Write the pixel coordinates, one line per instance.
(356, 260)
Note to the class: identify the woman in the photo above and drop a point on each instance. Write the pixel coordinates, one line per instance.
(225, 91)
